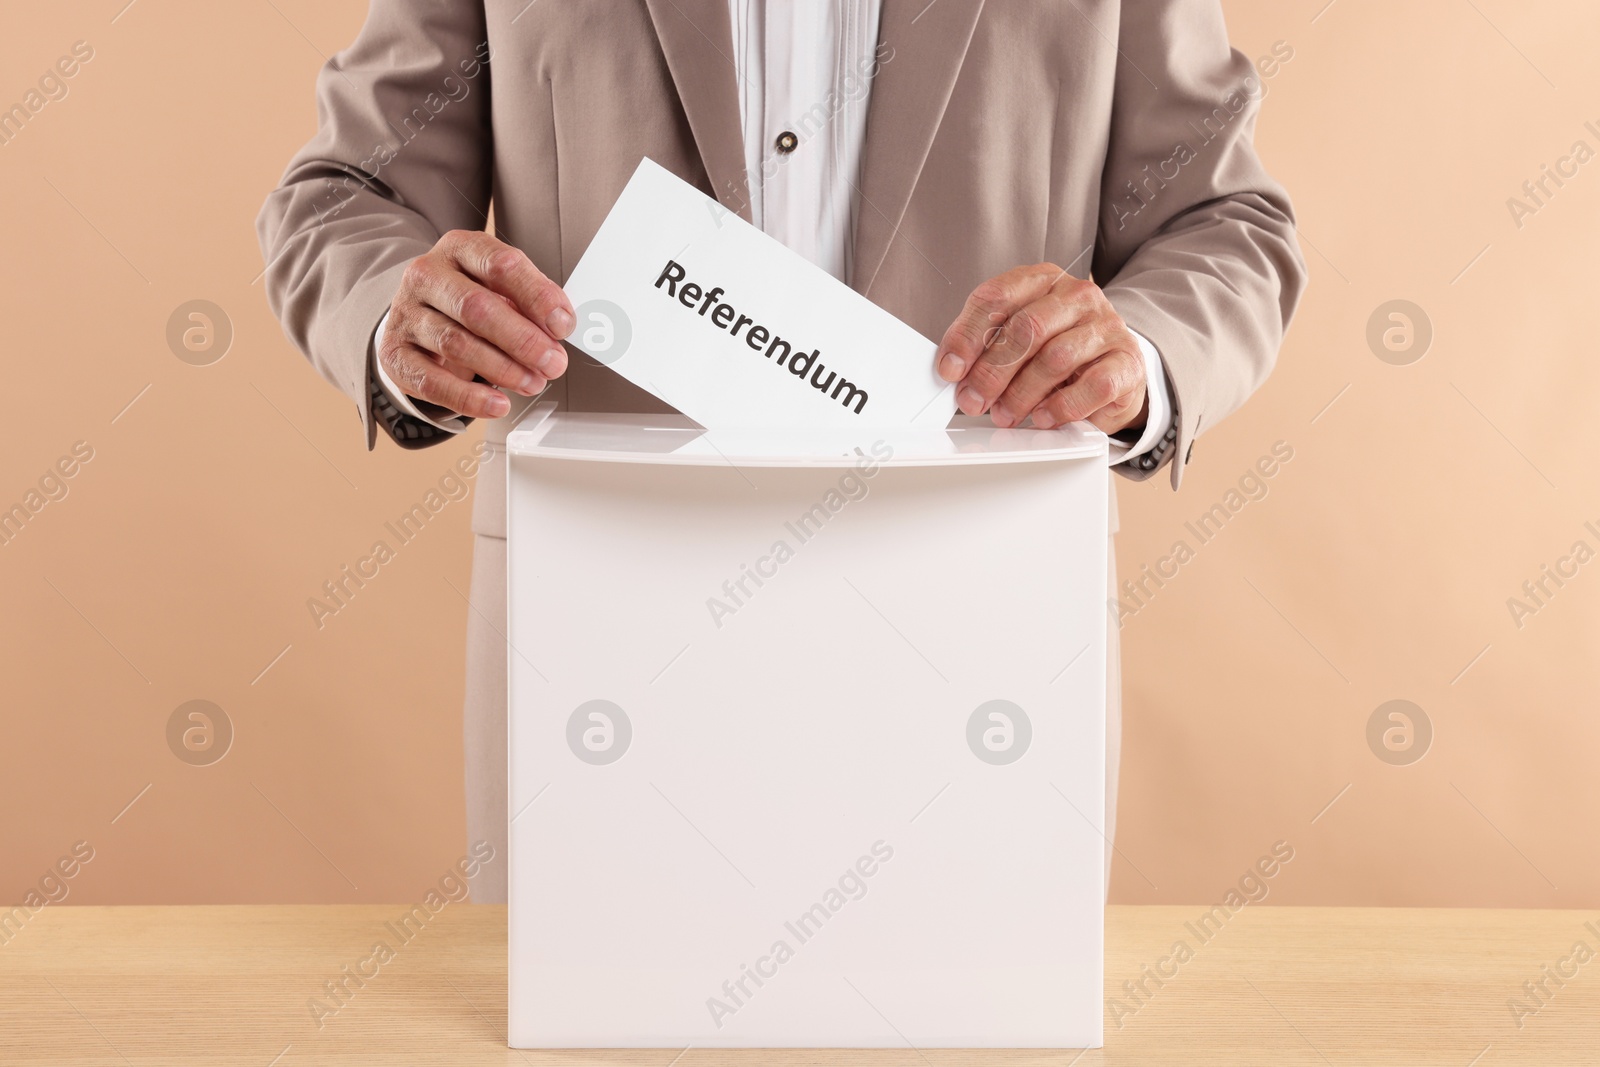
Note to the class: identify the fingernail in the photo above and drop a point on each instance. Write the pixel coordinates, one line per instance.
(498, 406)
(1044, 420)
(530, 384)
(549, 364)
(951, 366)
(1002, 417)
(560, 323)
(970, 401)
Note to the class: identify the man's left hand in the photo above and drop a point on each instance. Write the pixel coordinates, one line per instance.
(1036, 340)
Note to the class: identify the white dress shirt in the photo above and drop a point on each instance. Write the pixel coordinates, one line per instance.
(804, 70)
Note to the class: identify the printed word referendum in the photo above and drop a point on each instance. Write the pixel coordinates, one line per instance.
(759, 338)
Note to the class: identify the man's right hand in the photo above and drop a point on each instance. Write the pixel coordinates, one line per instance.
(475, 306)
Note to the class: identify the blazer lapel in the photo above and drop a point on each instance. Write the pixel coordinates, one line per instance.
(697, 39)
(908, 101)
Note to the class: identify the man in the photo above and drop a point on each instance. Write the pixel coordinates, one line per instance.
(970, 166)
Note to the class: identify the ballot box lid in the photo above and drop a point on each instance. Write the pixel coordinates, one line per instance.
(675, 440)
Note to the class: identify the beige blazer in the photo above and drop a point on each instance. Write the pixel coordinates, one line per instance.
(1110, 138)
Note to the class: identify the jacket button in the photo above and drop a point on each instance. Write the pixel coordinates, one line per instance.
(787, 142)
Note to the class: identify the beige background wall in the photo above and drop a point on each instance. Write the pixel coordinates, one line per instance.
(1377, 567)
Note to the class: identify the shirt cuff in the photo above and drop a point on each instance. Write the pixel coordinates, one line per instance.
(432, 414)
(1158, 419)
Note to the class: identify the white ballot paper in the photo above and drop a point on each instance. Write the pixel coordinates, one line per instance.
(684, 298)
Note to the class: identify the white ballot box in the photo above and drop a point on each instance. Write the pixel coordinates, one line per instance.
(807, 735)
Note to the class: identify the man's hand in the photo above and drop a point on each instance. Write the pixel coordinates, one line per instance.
(475, 306)
(1036, 340)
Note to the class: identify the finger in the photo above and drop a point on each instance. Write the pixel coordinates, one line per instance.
(1110, 384)
(417, 375)
(1056, 361)
(492, 317)
(1027, 331)
(457, 346)
(1120, 413)
(508, 271)
(985, 311)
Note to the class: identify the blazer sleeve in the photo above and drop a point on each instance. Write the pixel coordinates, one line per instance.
(1196, 244)
(402, 154)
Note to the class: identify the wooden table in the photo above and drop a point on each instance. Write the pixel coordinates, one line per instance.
(233, 985)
